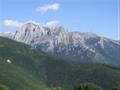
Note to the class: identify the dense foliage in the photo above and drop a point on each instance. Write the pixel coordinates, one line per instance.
(3, 87)
(116, 88)
(88, 86)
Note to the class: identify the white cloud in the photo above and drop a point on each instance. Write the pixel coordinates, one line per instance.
(12, 23)
(54, 22)
(32, 21)
(48, 7)
(16, 24)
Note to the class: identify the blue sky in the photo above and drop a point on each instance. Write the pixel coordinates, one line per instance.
(98, 16)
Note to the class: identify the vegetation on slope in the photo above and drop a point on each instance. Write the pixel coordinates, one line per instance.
(88, 86)
(24, 68)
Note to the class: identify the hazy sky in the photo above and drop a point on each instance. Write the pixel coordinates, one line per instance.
(99, 16)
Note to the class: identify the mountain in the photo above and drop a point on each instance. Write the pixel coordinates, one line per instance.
(60, 42)
(25, 68)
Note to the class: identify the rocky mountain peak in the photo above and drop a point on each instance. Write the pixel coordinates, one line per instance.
(58, 41)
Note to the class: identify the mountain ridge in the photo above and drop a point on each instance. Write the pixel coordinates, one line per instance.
(60, 42)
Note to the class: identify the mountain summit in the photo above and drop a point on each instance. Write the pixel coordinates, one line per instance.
(60, 42)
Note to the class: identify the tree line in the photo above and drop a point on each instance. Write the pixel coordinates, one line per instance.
(82, 86)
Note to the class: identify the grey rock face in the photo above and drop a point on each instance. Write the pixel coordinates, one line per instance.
(7, 35)
(58, 41)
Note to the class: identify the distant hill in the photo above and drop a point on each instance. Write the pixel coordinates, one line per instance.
(25, 68)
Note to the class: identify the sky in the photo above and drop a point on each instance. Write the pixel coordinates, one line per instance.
(98, 16)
